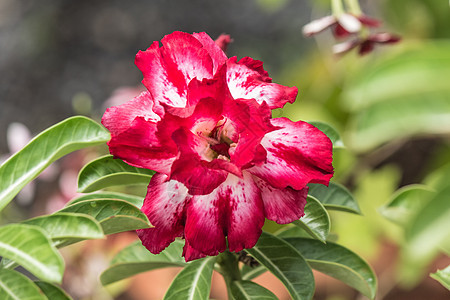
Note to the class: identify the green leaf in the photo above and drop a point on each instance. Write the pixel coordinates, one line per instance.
(335, 197)
(291, 231)
(443, 276)
(67, 226)
(113, 215)
(286, 263)
(316, 220)
(135, 200)
(392, 99)
(430, 228)
(331, 132)
(52, 291)
(193, 282)
(405, 203)
(338, 262)
(247, 290)
(65, 137)
(29, 247)
(136, 259)
(16, 286)
(106, 171)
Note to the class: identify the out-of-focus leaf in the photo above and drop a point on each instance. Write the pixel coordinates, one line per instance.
(136, 259)
(430, 228)
(286, 263)
(402, 96)
(405, 203)
(335, 197)
(16, 286)
(135, 200)
(29, 247)
(316, 220)
(106, 171)
(67, 226)
(52, 291)
(331, 132)
(247, 290)
(65, 137)
(113, 215)
(193, 282)
(443, 276)
(338, 262)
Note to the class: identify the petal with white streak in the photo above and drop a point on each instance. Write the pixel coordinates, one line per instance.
(297, 154)
(168, 70)
(234, 209)
(164, 206)
(248, 80)
(118, 119)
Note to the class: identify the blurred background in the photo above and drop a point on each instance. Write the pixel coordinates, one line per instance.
(392, 108)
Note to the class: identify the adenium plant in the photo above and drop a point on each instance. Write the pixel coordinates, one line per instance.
(223, 163)
(217, 165)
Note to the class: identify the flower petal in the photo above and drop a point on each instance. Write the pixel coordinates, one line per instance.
(297, 154)
(223, 40)
(251, 122)
(118, 119)
(246, 212)
(247, 79)
(282, 205)
(216, 53)
(234, 209)
(317, 26)
(164, 206)
(190, 168)
(190, 253)
(168, 70)
(350, 23)
(141, 146)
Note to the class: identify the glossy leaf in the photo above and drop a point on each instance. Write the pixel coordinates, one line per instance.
(331, 132)
(136, 259)
(65, 137)
(16, 286)
(247, 290)
(68, 226)
(316, 220)
(106, 171)
(291, 231)
(29, 247)
(286, 263)
(135, 200)
(113, 215)
(193, 282)
(335, 197)
(402, 96)
(338, 262)
(405, 203)
(443, 276)
(430, 227)
(52, 291)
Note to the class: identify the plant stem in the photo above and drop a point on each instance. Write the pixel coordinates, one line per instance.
(229, 268)
(337, 8)
(353, 6)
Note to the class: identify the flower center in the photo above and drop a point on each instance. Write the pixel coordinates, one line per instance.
(219, 141)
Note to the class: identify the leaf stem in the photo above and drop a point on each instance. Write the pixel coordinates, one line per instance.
(229, 268)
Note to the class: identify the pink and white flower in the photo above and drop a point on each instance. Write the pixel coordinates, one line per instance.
(223, 164)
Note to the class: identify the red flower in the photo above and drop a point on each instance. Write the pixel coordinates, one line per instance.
(224, 165)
